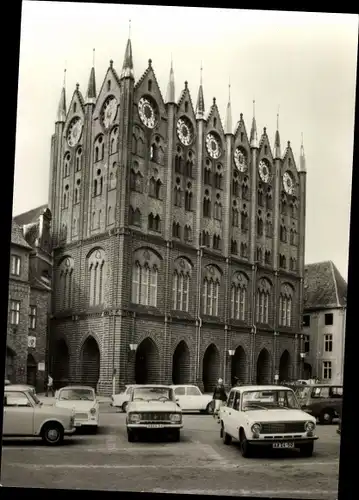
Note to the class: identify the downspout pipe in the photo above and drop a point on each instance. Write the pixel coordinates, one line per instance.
(198, 312)
(254, 325)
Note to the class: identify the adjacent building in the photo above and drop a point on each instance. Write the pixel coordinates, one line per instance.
(29, 299)
(178, 239)
(325, 292)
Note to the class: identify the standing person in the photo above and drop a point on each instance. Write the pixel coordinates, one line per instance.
(219, 397)
(50, 386)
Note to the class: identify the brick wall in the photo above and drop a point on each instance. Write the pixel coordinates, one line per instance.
(117, 322)
(40, 299)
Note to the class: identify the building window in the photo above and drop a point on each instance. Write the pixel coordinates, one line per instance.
(218, 210)
(244, 250)
(306, 320)
(328, 343)
(78, 166)
(144, 285)
(154, 223)
(286, 306)
(239, 298)
(234, 247)
(328, 319)
(263, 301)
(176, 230)
(244, 221)
(178, 196)
(66, 269)
(187, 233)
(180, 291)
(134, 217)
(97, 277)
(99, 149)
(155, 188)
(32, 317)
(136, 181)
(306, 344)
(14, 312)
(15, 265)
(188, 200)
(210, 297)
(327, 370)
(206, 206)
(216, 242)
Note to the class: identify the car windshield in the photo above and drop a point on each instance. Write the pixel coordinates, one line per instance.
(152, 394)
(76, 395)
(31, 395)
(269, 400)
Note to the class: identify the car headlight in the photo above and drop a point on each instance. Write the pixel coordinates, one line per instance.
(93, 411)
(135, 417)
(176, 417)
(309, 426)
(256, 429)
(72, 421)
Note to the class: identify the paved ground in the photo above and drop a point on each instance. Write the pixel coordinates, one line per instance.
(200, 463)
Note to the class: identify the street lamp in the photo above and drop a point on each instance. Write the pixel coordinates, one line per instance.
(133, 347)
(231, 352)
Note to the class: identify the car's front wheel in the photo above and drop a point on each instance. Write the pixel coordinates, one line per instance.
(210, 408)
(124, 407)
(244, 445)
(52, 434)
(226, 438)
(306, 450)
(326, 417)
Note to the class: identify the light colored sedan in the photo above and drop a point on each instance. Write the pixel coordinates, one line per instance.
(121, 399)
(26, 416)
(82, 399)
(190, 398)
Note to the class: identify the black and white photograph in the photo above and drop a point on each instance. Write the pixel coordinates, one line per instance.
(179, 250)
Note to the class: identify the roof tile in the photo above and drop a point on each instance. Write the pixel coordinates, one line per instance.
(324, 286)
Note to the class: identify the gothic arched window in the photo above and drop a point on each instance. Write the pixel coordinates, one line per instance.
(67, 159)
(145, 278)
(239, 296)
(286, 305)
(211, 288)
(99, 148)
(78, 160)
(114, 141)
(263, 301)
(96, 268)
(181, 285)
(65, 286)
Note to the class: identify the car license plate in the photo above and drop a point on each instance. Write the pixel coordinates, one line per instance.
(283, 445)
(154, 426)
(78, 424)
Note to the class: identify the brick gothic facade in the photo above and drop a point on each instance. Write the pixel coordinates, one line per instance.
(173, 233)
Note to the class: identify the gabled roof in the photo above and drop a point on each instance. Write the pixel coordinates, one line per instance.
(17, 238)
(324, 286)
(30, 216)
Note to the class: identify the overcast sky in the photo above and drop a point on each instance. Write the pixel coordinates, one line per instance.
(305, 63)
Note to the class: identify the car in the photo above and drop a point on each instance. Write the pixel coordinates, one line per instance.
(153, 408)
(121, 399)
(323, 401)
(190, 398)
(24, 387)
(26, 416)
(266, 416)
(82, 399)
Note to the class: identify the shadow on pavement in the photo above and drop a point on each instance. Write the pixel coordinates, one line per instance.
(35, 443)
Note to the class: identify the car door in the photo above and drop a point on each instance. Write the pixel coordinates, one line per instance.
(193, 398)
(180, 394)
(18, 414)
(226, 412)
(234, 415)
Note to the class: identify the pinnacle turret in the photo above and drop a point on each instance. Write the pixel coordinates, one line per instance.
(254, 136)
(170, 96)
(200, 101)
(61, 110)
(277, 153)
(91, 89)
(302, 162)
(228, 124)
(127, 68)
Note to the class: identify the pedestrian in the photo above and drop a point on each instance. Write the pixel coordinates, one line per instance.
(219, 397)
(50, 386)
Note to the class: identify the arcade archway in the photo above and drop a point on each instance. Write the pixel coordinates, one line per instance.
(263, 368)
(211, 368)
(181, 364)
(147, 364)
(90, 362)
(239, 366)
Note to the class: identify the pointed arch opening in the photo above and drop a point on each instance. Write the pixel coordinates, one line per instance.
(181, 363)
(239, 366)
(284, 367)
(90, 362)
(61, 362)
(147, 363)
(307, 371)
(263, 368)
(31, 370)
(9, 365)
(211, 368)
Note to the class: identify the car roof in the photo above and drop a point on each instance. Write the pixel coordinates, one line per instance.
(77, 387)
(149, 386)
(19, 387)
(260, 388)
(183, 385)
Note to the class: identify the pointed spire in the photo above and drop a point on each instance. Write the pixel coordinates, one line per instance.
(200, 100)
(302, 162)
(254, 136)
(228, 124)
(91, 89)
(61, 110)
(170, 96)
(127, 68)
(277, 153)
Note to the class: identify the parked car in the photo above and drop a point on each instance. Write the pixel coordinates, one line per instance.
(153, 408)
(24, 387)
(322, 401)
(121, 399)
(190, 398)
(266, 416)
(26, 416)
(82, 399)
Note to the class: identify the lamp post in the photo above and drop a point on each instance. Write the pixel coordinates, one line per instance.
(231, 353)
